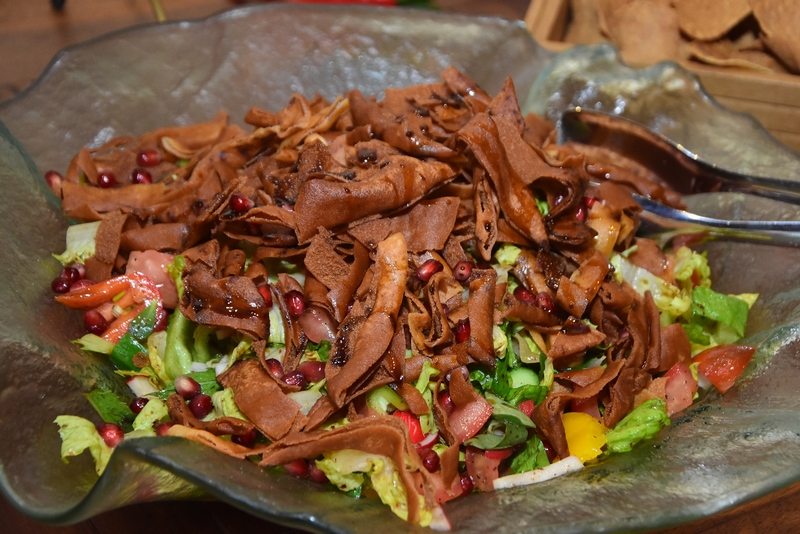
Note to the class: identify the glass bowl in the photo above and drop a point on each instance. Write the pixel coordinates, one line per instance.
(721, 453)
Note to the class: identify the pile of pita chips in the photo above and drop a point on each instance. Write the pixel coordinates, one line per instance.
(749, 34)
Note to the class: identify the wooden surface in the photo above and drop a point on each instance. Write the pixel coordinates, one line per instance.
(30, 34)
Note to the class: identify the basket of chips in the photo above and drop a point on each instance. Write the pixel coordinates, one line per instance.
(745, 52)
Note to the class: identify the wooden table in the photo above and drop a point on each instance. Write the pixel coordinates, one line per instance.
(30, 34)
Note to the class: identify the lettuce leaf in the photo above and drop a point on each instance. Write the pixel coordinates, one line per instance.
(689, 262)
(532, 456)
(80, 243)
(153, 412)
(507, 254)
(77, 435)
(347, 469)
(641, 424)
(669, 299)
(725, 309)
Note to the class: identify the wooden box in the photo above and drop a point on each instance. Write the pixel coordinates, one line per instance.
(772, 98)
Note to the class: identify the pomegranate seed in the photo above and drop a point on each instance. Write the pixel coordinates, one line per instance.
(446, 402)
(162, 320)
(312, 371)
(295, 378)
(463, 271)
(149, 157)
(430, 460)
(187, 387)
(138, 403)
(71, 274)
(467, 485)
(266, 294)
(53, 179)
(295, 303)
(558, 200)
(462, 331)
(624, 333)
(81, 284)
(81, 268)
(524, 295)
(297, 468)
(60, 284)
(428, 269)
(526, 407)
(545, 302)
(580, 213)
(548, 449)
(112, 434)
(94, 322)
(201, 405)
(161, 429)
(106, 180)
(240, 203)
(316, 474)
(275, 368)
(246, 440)
(589, 201)
(141, 176)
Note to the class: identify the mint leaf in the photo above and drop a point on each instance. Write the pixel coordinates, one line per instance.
(532, 456)
(111, 408)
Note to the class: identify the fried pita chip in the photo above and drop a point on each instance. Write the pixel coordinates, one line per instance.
(710, 19)
(779, 20)
(646, 32)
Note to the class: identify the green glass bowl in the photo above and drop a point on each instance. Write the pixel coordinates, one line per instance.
(721, 453)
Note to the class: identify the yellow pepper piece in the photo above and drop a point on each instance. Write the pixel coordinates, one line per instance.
(585, 435)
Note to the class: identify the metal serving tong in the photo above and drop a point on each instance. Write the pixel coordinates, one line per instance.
(673, 163)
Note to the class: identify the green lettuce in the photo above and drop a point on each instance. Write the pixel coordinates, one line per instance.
(729, 310)
(153, 412)
(80, 243)
(532, 456)
(507, 254)
(94, 343)
(641, 424)
(671, 300)
(77, 435)
(225, 406)
(348, 468)
(689, 262)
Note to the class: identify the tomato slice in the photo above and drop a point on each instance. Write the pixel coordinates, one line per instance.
(680, 388)
(413, 424)
(467, 420)
(499, 454)
(481, 468)
(723, 364)
(526, 407)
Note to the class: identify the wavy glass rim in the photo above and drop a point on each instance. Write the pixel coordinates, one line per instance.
(161, 459)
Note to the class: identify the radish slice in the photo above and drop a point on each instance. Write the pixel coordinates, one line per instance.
(140, 385)
(428, 441)
(568, 465)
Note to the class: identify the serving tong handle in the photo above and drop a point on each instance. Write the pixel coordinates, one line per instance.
(672, 162)
(666, 223)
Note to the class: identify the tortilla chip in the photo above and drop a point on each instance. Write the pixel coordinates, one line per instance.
(710, 19)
